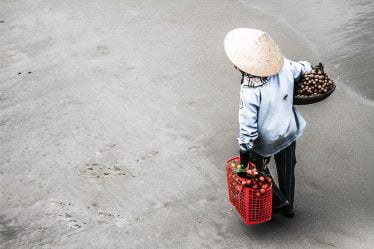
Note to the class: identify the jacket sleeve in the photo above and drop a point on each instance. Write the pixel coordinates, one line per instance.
(298, 69)
(249, 104)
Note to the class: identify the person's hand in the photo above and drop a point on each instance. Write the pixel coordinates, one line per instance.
(250, 155)
(247, 156)
(244, 158)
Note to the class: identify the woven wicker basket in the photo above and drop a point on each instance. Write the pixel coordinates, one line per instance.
(298, 100)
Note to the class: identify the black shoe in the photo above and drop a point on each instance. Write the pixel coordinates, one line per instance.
(285, 210)
(280, 208)
(288, 213)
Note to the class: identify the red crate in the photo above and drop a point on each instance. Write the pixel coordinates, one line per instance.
(253, 209)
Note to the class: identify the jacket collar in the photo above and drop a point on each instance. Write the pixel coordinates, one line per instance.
(253, 81)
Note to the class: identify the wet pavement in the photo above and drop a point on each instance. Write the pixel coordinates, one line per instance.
(341, 33)
(118, 136)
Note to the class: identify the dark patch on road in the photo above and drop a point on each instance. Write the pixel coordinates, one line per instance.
(7, 231)
(102, 50)
(320, 242)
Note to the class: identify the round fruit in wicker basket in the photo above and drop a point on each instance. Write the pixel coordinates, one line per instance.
(313, 87)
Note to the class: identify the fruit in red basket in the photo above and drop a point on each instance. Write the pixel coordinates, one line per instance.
(268, 179)
(257, 194)
(249, 182)
(265, 186)
(262, 191)
(250, 172)
(233, 164)
(254, 186)
(262, 179)
(260, 183)
(244, 182)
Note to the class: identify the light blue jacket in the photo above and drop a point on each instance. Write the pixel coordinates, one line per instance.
(268, 120)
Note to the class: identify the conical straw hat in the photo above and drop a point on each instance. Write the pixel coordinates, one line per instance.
(253, 51)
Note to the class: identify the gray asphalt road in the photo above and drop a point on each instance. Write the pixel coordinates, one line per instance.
(117, 118)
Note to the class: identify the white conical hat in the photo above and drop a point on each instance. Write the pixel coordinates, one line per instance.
(253, 51)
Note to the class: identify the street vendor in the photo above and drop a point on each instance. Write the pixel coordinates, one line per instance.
(269, 123)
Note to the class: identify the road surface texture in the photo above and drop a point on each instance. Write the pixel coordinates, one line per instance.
(117, 118)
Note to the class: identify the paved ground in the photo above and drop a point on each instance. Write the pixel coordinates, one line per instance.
(117, 118)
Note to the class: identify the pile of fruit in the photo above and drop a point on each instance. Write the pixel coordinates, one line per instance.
(314, 83)
(251, 178)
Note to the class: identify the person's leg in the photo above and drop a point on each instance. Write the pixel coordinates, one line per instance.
(279, 200)
(285, 161)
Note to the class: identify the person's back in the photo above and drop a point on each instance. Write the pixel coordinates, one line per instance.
(278, 122)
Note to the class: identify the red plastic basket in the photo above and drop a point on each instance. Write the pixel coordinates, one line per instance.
(252, 209)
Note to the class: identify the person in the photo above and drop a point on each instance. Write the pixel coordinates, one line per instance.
(269, 123)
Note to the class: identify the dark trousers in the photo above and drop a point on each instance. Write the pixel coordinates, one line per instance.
(285, 162)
